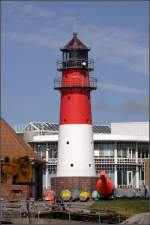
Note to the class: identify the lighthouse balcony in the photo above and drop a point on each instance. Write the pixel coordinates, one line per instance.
(75, 63)
(90, 83)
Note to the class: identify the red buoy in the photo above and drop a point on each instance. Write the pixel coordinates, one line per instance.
(104, 185)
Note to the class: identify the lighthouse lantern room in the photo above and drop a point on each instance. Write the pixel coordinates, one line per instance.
(75, 167)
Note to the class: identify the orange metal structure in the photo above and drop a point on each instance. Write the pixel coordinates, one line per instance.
(104, 185)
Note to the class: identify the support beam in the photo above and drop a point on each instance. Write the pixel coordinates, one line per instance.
(115, 171)
(115, 176)
(33, 181)
(137, 177)
(136, 152)
(46, 173)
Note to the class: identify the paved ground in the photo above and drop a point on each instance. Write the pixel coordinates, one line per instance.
(142, 218)
(47, 221)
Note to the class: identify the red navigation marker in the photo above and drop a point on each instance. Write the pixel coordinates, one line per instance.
(104, 185)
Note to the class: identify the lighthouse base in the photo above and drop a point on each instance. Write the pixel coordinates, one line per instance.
(58, 184)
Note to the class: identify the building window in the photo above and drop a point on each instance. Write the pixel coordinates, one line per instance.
(122, 177)
(125, 149)
(41, 150)
(122, 153)
(143, 149)
(106, 149)
(53, 149)
(96, 153)
(52, 169)
(109, 169)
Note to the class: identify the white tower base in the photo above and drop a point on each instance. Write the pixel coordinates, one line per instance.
(75, 151)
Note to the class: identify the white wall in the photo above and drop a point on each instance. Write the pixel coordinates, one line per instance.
(78, 152)
(131, 128)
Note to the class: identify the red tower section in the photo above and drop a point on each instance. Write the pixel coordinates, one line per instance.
(75, 84)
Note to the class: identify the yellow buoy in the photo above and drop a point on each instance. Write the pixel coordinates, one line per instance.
(65, 195)
(84, 196)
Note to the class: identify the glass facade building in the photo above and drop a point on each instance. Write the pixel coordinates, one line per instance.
(121, 156)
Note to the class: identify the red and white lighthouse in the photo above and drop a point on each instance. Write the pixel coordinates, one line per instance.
(75, 167)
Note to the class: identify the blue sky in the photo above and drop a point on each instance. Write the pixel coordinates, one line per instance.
(33, 32)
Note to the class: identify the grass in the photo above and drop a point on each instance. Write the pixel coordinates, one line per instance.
(124, 207)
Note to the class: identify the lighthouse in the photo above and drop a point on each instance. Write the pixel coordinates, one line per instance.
(75, 166)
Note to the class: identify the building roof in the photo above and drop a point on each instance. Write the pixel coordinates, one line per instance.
(12, 145)
(54, 127)
(101, 129)
(75, 43)
(44, 131)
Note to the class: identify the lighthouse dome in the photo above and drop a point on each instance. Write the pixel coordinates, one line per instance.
(75, 43)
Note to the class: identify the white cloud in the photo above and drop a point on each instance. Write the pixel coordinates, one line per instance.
(101, 105)
(121, 88)
(30, 10)
(135, 106)
(33, 38)
(110, 44)
(118, 46)
(20, 10)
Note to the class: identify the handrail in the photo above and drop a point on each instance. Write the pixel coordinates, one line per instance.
(104, 160)
(90, 83)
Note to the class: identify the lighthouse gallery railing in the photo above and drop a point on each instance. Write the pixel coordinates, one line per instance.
(90, 83)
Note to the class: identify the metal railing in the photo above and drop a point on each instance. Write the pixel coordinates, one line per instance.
(106, 160)
(75, 63)
(141, 160)
(52, 161)
(127, 186)
(90, 83)
(126, 161)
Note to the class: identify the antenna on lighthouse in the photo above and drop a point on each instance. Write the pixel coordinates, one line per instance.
(74, 35)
